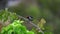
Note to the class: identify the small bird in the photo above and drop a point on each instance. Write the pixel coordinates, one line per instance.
(30, 18)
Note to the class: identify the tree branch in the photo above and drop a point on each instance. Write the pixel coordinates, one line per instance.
(25, 19)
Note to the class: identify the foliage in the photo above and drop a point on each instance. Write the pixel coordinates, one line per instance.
(47, 29)
(16, 28)
(7, 17)
(42, 23)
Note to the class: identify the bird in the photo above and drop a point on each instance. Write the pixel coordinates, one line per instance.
(30, 18)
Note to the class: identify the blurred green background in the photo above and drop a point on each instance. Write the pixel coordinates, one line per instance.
(47, 9)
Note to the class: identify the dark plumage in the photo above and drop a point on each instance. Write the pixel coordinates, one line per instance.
(30, 18)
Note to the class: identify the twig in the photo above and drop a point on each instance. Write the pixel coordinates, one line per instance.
(38, 28)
